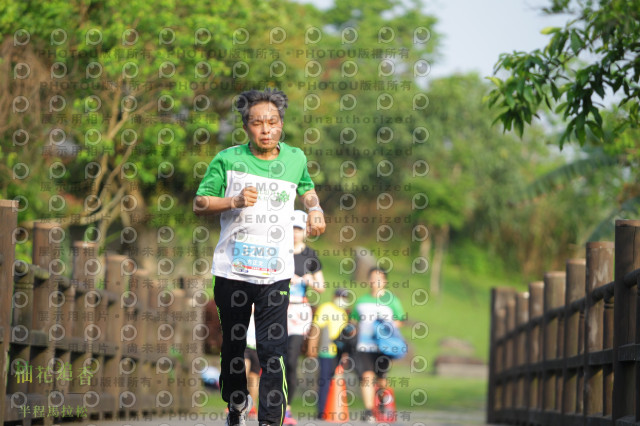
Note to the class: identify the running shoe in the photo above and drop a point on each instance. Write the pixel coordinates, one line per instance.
(288, 419)
(239, 417)
(253, 414)
(368, 417)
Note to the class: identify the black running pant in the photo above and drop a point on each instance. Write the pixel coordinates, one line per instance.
(234, 299)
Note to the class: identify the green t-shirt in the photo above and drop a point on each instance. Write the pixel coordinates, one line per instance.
(256, 243)
(367, 309)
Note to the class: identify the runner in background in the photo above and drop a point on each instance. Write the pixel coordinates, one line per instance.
(371, 364)
(329, 323)
(307, 274)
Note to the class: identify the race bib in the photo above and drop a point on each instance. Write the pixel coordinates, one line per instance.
(255, 255)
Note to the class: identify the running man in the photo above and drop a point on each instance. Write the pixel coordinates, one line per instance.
(253, 188)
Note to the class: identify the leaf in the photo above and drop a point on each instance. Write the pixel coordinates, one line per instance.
(520, 86)
(561, 107)
(496, 81)
(528, 94)
(580, 132)
(564, 137)
(536, 60)
(527, 115)
(549, 30)
(596, 115)
(489, 99)
(561, 41)
(509, 98)
(597, 86)
(519, 125)
(595, 129)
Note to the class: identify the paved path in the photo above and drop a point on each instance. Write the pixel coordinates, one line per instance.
(426, 418)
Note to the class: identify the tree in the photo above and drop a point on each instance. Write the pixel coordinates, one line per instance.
(594, 56)
(592, 59)
(107, 93)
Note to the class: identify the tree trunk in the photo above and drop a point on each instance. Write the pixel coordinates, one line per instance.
(144, 250)
(441, 239)
(425, 247)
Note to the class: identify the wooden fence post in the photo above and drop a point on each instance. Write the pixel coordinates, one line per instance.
(177, 315)
(115, 284)
(522, 317)
(85, 268)
(65, 313)
(42, 355)
(572, 373)
(534, 344)
(198, 333)
(139, 285)
(554, 291)
(599, 271)
(510, 325)
(499, 297)
(627, 259)
(9, 221)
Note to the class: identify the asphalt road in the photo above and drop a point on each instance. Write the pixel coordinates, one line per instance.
(425, 418)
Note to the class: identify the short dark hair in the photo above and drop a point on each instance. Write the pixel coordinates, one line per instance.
(377, 269)
(252, 97)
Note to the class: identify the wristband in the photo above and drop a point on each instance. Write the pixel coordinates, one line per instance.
(315, 209)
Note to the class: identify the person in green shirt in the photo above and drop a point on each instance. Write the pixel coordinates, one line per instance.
(253, 188)
(371, 364)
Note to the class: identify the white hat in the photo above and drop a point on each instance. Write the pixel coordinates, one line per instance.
(299, 219)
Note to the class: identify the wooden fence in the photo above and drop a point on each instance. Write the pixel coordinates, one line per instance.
(566, 352)
(108, 342)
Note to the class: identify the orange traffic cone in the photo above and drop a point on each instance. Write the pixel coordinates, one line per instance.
(384, 408)
(336, 409)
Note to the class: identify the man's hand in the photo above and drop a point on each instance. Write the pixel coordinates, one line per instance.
(207, 205)
(315, 218)
(246, 198)
(315, 223)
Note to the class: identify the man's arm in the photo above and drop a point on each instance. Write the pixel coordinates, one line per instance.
(315, 217)
(204, 205)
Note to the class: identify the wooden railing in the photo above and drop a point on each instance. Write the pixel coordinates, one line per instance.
(108, 342)
(566, 352)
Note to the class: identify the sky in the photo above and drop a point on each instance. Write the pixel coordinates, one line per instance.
(475, 32)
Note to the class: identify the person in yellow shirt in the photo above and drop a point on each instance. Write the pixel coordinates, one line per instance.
(329, 322)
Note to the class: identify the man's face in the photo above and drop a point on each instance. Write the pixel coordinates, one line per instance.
(377, 280)
(264, 126)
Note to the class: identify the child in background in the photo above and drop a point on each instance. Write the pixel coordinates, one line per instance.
(307, 274)
(329, 322)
